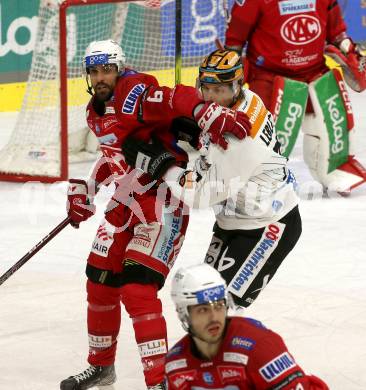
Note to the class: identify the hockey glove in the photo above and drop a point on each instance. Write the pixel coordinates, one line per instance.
(151, 158)
(79, 207)
(218, 121)
(186, 129)
(352, 59)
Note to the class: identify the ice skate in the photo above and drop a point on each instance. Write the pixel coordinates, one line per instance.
(92, 376)
(160, 386)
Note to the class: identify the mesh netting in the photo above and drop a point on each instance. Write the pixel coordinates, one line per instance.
(146, 31)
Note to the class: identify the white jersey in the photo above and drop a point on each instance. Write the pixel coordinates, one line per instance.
(249, 184)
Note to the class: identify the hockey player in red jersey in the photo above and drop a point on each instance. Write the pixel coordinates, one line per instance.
(222, 352)
(140, 237)
(285, 65)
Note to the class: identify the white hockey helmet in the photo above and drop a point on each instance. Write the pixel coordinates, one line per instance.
(198, 284)
(104, 52)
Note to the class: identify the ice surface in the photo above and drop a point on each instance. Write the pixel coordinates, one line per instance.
(317, 300)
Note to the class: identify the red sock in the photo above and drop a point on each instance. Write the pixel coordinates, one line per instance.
(104, 320)
(144, 307)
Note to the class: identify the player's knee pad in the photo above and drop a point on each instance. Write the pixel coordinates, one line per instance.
(140, 299)
(101, 294)
(144, 307)
(328, 134)
(103, 307)
(288, 106)
(104, 310)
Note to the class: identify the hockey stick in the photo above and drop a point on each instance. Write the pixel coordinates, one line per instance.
(178, 41)
(219, 44)
(34, 250)
(225, 7)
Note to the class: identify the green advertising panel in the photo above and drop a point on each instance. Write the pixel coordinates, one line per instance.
(18, 26)
(335, 117)
(292, 110)
(19, 21)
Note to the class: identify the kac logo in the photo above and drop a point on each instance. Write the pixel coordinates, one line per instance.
(301, 29)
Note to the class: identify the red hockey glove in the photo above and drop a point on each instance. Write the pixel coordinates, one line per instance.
(352, 59)
(79, 208)
(218, 121)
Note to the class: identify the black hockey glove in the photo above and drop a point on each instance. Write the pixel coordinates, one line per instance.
(186, 129)
(152, 158)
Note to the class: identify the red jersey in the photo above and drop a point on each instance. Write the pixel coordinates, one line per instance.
(139, 106)
(287, 36)
(250, 357)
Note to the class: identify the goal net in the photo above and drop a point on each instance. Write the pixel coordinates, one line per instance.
(51, 130)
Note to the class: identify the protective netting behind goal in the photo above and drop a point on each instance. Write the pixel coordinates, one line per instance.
(146, 31)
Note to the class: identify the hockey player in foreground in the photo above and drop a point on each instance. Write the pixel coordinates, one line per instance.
(140, 237)
(222, 352)
(285, 42)
(257, 217)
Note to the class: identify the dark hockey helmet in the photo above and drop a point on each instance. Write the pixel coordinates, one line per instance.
(221, 66)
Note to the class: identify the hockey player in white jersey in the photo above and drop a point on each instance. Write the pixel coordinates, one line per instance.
(249, 185)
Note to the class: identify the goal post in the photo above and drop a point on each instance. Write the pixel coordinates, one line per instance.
(166, 38)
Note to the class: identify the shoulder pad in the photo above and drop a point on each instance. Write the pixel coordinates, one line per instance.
(256, 323)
